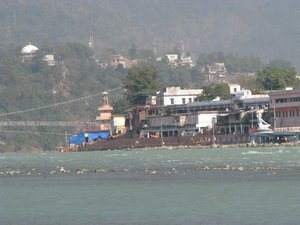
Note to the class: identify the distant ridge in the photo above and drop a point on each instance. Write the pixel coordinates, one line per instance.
(265, 28)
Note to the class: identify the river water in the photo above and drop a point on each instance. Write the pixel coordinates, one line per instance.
(228, 186)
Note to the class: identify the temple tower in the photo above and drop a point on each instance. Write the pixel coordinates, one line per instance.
(105, 111)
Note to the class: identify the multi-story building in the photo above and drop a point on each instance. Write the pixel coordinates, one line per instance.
(118, 124)
(217, 70)
(186, 61)
(49, 59)
(175, 61)
(172, 58)
(178, 125)
(285, 105)
(117, 60)
(234, 88)
(176, 96)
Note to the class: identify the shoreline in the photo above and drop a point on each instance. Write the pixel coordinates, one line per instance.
(220, 146)
(223, 146)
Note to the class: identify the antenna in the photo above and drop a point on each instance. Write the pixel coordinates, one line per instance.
(8, 34)
(182, 49)
(91, 43)
(154, 48)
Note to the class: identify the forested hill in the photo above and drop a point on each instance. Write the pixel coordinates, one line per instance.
(268, 29)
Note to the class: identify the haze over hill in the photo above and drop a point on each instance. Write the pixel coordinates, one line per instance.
(268, 29)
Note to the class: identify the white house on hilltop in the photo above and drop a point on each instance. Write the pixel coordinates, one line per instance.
(176, 96)
(172, 58)
(50, 60)
(28, 52)
(234, 88)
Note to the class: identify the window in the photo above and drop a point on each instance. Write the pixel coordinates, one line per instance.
(190, 100)
(172, 101)
(183, 100)
(280, 100)
(237, 117)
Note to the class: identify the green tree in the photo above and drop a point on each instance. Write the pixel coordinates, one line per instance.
(281, 63)
(274, 78)
(234, 63)
(205, 59)
(141, 82)
(120, 105)
(242, 64)
(146, 55)
(38, 65)
(72, 49)
(214, 90)
(249, 83)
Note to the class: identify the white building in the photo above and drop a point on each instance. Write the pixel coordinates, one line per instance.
(186, 61)
(118, 124)
(176, 96)
(172, 58)
(179, 125)
(217, 70)
(151, 100)
(175, 61)
(244, 94)
(50, 60)
(234, 88)
(28, 52)
(117, 60)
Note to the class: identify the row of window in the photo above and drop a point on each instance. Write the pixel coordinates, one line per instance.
(287, 113)
(183, 100)
(284, 100)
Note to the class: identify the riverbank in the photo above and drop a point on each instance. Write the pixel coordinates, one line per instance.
(223, 146)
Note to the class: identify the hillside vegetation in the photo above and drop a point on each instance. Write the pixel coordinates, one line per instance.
(29, 85)
(243, 34)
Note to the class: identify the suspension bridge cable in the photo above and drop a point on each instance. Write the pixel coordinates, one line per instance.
(30, 132)
(56, 104)
(49, 106)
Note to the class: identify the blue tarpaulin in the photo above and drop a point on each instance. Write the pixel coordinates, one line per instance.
(79, 138)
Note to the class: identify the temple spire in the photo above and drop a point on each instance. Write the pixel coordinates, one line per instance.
(105, 113)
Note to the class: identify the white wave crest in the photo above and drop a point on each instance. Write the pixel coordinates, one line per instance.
(258, 153)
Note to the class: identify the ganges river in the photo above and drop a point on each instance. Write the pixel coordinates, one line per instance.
(209, 186)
